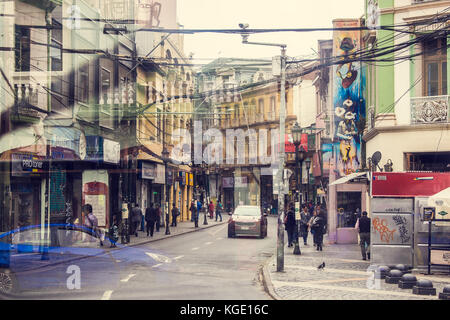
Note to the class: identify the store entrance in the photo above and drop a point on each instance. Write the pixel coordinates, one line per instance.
(25, 203)
(348, 203)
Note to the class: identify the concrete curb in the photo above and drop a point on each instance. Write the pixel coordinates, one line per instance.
(267, 280)
(126, 246)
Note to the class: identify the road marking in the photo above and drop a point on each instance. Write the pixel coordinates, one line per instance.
(196, 248)
(157, 265)
(208, 243)
(219, 229)
(107, 295)
(179, 257)
(159, 257)
(128, 278)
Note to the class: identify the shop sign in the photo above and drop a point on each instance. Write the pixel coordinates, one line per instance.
(181, 178)
(240, 182)
(169, 177)
(26, 165)
(67, 143)
(227, 182)
(160, 174)
(148, 170)
(111, 151)
(94, 148)
(191, 179)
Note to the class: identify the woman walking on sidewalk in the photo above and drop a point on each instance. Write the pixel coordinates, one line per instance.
(317, 225)
(304, 219)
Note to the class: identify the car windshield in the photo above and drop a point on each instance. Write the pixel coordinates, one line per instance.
(247, 211)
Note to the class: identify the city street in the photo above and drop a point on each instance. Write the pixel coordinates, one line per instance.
(201, 265)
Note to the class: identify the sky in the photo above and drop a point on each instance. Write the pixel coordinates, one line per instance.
(227, 14)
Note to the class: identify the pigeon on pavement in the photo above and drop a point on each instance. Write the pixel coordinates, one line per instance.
(321, 266)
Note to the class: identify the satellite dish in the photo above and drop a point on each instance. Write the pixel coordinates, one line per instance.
(376, 157)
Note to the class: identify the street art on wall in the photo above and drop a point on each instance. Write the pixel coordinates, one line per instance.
(348, 100)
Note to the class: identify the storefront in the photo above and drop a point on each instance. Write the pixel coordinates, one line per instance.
(408, 222)
(28, 174)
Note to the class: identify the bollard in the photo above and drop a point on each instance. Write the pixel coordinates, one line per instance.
(445, 294)
(404, 269)
(381, 272)
(424, 287)
(394, 276)
(407, 281)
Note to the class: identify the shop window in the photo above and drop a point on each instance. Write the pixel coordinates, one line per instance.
(348, 204)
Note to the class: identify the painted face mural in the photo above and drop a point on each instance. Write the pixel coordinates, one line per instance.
(348, 99)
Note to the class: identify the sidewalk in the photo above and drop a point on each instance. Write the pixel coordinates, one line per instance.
(345, 277)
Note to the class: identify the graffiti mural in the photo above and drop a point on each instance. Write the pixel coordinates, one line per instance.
(348, 100)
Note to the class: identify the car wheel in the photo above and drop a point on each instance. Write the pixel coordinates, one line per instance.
(8, 284)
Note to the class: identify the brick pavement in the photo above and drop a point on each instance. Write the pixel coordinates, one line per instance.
(345, 277)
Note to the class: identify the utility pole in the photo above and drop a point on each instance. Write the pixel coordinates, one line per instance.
(280, 172)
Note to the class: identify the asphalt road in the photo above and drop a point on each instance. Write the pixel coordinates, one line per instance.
(202, 265)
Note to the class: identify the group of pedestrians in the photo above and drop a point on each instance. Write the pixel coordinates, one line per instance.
(197, 206)
(312, 218)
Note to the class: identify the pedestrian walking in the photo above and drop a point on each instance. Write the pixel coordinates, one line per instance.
(91, 221)
(158, 214)
(175, 214)
(151, 217)
(136, 217)
(211, 209)
(219, 209)
(289, 225)
(317, 225)
(114, 232)
(363, 227)
(199, 208)
(304, 219)
(193, 210)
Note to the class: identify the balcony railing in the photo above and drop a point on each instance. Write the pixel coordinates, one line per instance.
(421, 1)
(434, 109)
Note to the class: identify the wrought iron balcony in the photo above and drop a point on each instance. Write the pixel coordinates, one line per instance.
(433, 109)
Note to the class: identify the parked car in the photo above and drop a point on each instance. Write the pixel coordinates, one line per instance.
(247, 221)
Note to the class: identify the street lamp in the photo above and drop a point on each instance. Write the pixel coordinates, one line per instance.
(308, 165)
(165, 156)
(281, 72)
(299, 156)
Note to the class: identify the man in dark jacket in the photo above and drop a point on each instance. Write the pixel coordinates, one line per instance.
(364, 235)
(290, 225)
(136, 214)
(317, 226)
(151, 217)
(175, 214)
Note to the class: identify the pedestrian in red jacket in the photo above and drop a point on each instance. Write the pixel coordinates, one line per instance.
(211, 209)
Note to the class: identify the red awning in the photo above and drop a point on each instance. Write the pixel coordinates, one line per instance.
(408, 184)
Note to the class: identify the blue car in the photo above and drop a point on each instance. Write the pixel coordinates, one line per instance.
(48, 258)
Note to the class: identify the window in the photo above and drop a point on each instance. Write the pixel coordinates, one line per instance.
(261, 106)
(22, 48)
(435, 67)
(105, 85)
(56, 47)
(83, 81)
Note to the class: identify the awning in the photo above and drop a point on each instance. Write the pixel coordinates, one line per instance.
(441, 198)
(348, 178)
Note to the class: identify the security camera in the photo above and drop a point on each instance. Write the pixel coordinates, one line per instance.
(243, 25)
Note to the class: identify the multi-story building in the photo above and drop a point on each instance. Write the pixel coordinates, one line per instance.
(67, 126)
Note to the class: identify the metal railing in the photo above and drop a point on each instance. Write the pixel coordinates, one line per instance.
(433, 109)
